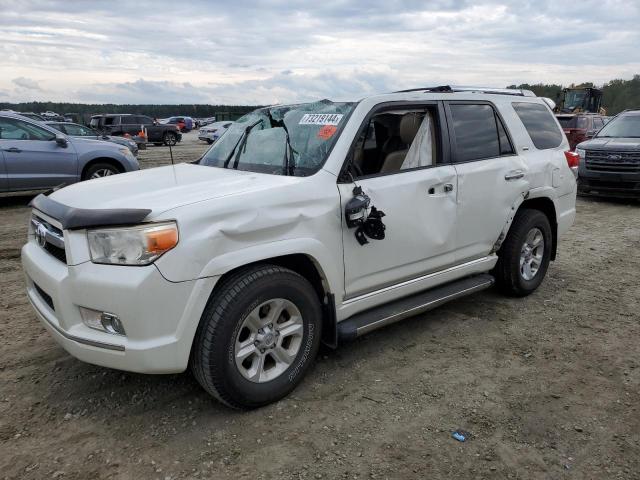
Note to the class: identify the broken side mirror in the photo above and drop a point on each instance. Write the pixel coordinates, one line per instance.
(356, 209)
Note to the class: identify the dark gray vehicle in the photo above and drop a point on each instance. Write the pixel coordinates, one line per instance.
(77, 130)
(610, 161)
(34, 156)
(123, 123)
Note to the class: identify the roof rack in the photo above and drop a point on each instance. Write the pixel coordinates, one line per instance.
(453, 89)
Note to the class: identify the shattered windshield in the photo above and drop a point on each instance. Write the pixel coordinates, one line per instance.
(281, 140)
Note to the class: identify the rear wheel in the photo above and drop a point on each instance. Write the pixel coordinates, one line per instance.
(257, 336)
(170, 138)
(525, 254)
(99, 170)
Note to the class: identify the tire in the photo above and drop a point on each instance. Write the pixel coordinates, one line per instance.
(99, 170)
(170, 139)
(528, 228)
(220, 360)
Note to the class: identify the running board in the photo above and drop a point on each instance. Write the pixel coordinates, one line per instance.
(389, 313)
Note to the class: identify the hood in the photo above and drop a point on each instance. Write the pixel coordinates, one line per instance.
(85, 143)
(164, 188)
(603, 143)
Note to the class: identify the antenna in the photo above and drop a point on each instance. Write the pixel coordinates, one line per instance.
(171, 153)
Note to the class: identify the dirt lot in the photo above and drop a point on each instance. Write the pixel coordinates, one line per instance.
(548, 386)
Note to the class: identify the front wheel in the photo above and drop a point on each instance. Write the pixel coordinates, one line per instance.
(170, 139)
(99, 170)
(257, 337)
(525, 254)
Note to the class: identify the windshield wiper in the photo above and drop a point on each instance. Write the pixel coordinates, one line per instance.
(242, 141)
(289, 159)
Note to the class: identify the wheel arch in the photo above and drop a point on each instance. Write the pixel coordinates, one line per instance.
(94, 161)
(547, 207)
(308, 267)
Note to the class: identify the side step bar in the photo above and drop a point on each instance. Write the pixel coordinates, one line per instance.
(389, 313)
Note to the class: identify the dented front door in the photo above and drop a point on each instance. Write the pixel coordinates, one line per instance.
(420, 220)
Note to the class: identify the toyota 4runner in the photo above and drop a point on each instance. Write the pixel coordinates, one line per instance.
(303, 223)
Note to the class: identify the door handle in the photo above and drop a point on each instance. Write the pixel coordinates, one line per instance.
(12, 150)
(514, 175)
(448, 187)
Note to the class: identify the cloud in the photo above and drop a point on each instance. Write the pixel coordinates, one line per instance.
(27, 83)
(288, 50)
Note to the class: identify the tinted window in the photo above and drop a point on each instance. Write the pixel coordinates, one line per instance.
(13, 129)
(540, 124)
(77, 130)
(143, 120)
(478, 132)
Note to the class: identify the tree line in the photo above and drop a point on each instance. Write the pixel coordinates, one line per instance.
(617, 95)
(84, 111)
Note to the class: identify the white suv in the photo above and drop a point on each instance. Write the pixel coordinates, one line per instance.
(304, 223)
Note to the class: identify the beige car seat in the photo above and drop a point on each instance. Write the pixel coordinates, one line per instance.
(409, 126)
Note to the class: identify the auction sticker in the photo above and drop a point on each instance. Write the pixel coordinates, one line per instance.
(320, 119)
(327, 131)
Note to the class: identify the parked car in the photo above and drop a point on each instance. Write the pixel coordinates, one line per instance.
(34, 156)
(184, 124)
(77, 130)
(303, 223)
(121, 124)
(32, 116)
(213, 131)
(579, 127)
(610, 162)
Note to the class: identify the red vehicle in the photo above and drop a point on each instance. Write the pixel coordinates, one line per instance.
(579, 127)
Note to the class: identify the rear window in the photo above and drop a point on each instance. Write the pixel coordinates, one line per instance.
(540, 124)
(478, 132)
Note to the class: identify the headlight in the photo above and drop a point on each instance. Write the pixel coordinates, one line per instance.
(581, 153)
(140, 245)
(126, 152)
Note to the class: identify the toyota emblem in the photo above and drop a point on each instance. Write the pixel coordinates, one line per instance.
(41, 235)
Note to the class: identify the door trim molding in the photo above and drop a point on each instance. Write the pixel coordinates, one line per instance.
(351, 300)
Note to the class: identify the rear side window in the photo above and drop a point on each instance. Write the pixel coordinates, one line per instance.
(540, 124)
(479, 132)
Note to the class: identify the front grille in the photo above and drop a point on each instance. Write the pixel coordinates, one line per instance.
(45, 296)
(606, 161)
(57, 252)
(52, 237)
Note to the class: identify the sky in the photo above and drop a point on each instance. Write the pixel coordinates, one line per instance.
(284, 51)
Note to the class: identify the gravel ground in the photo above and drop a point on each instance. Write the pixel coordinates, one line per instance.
(547, 386)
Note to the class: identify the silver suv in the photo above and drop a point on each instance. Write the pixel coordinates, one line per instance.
(34, 156)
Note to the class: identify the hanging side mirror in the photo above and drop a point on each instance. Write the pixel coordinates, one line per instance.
(356, 209)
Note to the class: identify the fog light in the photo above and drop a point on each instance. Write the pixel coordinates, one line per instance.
(103, 321)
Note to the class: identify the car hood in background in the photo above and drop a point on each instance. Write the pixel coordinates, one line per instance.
(164, 188)
(611, 144)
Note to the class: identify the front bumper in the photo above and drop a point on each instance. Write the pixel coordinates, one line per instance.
(160, 317)
(605, 184)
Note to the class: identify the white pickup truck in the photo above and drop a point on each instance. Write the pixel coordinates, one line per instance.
(303, 223)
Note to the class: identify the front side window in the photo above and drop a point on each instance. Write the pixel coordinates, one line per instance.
(623, 126)
(395, 140)
(78, 130)
(540, 124)
(13, 129)
(478, 132)
(282, 140)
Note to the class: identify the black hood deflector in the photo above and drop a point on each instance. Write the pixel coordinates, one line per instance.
(77, 218)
